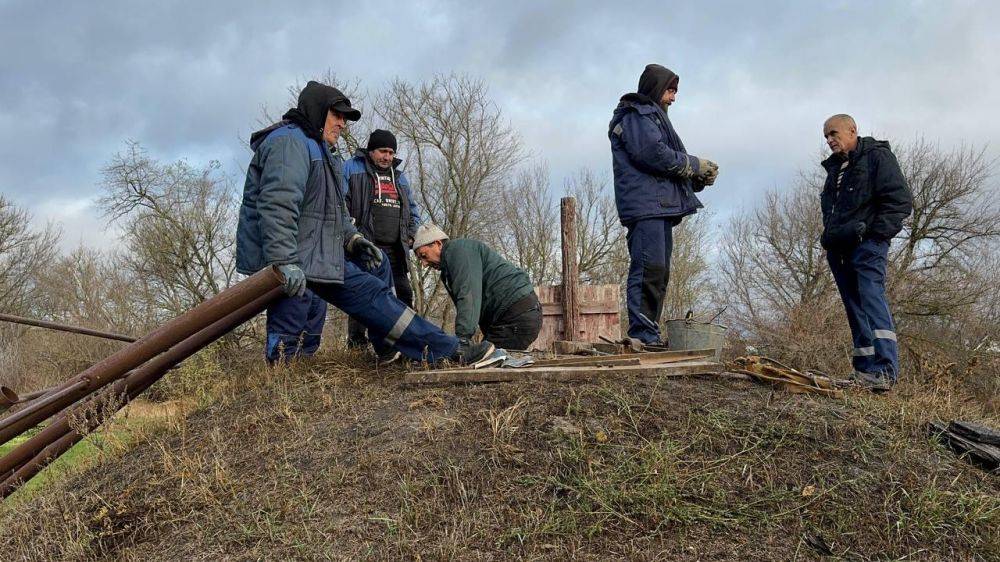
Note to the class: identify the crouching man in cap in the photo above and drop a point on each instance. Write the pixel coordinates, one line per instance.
(293, 217)
(865, 200)
(384, 211)
(487, 290)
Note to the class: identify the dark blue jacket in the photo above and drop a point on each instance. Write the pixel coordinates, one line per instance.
(652, 171)
(359, 193)
(871, 200)
(293, 206)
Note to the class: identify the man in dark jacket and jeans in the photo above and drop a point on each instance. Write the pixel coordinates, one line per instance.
(487, 290)
(293, 218)
(865, 200)
(383, 208)
(655, 185)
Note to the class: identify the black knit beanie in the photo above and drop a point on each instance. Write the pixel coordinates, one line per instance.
(380, 138)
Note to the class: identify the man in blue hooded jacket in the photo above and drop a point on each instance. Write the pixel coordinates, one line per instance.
(293, 218)
(655, 185)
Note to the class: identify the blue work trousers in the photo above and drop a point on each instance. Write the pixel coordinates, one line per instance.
(294, 326)
(860, 277)
(650, 243)
(366, 296)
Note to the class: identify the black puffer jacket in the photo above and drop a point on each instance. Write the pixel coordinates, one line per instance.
(872, 200)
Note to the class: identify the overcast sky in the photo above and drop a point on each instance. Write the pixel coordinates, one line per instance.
(188, 79)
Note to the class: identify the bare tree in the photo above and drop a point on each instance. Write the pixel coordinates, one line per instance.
(23, 253)
(955, 220)
(528, 234)
(771, 255)
(690, 285)
(84, 288)
(602, 253)
(179, 225)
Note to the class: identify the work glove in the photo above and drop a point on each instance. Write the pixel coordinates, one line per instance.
(707, 171)
(362, 248)
(295, 279)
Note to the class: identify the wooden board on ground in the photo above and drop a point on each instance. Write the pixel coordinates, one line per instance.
(643, 358)
(562, 373)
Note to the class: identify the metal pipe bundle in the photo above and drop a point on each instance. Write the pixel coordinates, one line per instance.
(129, 372)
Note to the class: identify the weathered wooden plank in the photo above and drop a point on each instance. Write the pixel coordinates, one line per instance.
(570, 272)
(645, 358)
(562, 373)
(658, 358)
(591, 360)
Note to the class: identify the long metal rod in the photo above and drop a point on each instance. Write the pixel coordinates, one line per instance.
(135, 354)
(65, 328)
(30, 457)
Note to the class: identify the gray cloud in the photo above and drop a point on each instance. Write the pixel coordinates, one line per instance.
(187, 79)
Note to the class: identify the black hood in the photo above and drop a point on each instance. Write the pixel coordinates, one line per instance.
(656, 80)
(315, 100)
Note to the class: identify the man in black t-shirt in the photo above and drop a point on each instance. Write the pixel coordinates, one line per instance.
(380, 202)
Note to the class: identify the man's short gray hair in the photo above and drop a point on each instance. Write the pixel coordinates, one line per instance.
(842, 118)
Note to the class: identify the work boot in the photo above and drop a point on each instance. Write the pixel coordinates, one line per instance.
(388, 357)
(877, 383)
(477, 355)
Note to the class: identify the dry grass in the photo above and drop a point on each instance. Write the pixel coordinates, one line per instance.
(329, 459)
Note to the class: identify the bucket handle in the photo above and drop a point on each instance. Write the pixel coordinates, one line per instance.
(689, 317)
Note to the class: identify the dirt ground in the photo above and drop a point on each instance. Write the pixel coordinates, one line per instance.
(334, 460)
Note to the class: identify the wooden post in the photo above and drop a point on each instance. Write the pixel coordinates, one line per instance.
(570, 269)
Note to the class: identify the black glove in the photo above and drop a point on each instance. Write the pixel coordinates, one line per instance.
(295, 279)
(363, 249)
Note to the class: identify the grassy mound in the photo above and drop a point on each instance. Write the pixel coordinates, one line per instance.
(330, 459)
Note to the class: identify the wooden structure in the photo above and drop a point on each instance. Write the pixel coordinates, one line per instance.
(571, 311)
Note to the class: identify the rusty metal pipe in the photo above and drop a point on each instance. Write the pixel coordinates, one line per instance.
(135, 354)
(22, 398)
(29, 469)
(30, 457)
(7, 398)
(46, 404)
(65, 328)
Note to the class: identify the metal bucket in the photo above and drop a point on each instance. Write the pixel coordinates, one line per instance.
(689, 334)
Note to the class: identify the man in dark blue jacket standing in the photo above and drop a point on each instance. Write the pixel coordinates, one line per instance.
(655, 185)
(293, 217)
(865, 200)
